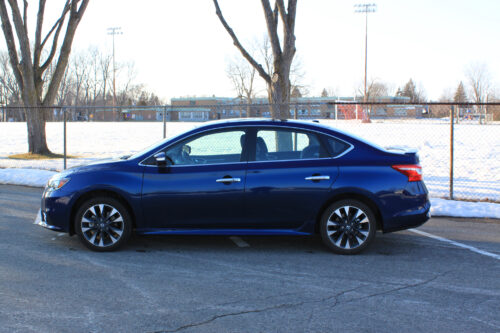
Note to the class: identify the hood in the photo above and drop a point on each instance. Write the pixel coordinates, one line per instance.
(94, 165)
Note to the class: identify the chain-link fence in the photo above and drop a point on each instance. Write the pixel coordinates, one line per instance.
(458, 145)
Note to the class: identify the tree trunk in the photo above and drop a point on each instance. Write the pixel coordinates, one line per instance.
(279, 97)
(37, 141)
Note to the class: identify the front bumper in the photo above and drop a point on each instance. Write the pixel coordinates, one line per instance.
(54, 213)
(41, 220)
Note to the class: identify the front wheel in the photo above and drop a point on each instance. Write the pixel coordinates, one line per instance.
(103, 224)
(348, 226)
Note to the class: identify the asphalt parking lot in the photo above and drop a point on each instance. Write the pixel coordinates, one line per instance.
(405, 282)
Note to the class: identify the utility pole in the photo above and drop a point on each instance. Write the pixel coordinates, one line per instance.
(113, 32)
(365, 8)
(1, 103)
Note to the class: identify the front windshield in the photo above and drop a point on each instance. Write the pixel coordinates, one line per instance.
(153, 147)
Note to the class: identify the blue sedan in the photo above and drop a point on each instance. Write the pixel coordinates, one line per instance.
(244, 177)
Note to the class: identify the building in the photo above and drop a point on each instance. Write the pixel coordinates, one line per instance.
(210, 108)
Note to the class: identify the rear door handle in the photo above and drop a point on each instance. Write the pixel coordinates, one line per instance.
(228, 180)
(315, 178)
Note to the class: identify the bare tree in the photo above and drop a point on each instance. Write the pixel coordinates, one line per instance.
(297, 73)
(105, 62)
(9, 90)
(29, 70)
(78, 69)
(11, 93)
(479, 80)
(242, 76)
(375, 88)
(278, 81)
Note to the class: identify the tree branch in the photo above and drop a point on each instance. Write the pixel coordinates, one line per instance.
(56, 25)
(22, 34)
(75, 17)
(283, 14)
(289, 40)
(38, 33)
(26, 67)
(25, 16)
(11, 43)
(275, 14)
(272, 29)
(54, 46)
(237, 43)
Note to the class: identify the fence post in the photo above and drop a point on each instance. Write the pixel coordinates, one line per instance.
(164, 121)
(64, 136)
(451, 150)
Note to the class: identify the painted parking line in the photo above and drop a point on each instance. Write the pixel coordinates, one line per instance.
(238, 241)
(464, 246)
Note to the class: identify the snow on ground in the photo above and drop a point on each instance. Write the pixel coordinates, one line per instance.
(439, 207)
(477, 147)
(27, 177)
(443, 207)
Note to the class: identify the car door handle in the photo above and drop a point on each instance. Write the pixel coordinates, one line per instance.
(315, 178)
(228, 180)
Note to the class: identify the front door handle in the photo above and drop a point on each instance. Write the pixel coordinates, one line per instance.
(316, 178)
(228, 180)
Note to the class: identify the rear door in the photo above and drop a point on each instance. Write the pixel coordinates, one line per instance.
(288, 177)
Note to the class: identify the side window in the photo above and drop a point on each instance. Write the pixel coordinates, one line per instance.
(337, 147)
(278, 144)
(212, 148)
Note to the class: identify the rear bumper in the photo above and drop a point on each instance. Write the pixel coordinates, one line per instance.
(411, 219)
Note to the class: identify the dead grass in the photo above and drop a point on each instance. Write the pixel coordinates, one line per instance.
(30, 156)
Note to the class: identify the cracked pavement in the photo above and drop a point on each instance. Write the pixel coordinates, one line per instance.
(403, 282)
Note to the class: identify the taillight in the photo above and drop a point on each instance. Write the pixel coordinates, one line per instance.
(413, 171)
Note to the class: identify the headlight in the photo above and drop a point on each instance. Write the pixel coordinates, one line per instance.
(56, 183)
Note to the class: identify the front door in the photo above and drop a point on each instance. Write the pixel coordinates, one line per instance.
(203, 185)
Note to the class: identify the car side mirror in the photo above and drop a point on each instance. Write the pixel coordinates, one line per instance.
(161, 159)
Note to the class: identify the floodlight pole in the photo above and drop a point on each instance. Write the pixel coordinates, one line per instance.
(113, 32)
(365, 8)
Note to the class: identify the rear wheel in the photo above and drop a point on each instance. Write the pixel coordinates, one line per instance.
(103, 224)
(348, 226)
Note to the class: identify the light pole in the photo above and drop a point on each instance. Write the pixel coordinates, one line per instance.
(113, 32)
(3, 103)
(365, 8)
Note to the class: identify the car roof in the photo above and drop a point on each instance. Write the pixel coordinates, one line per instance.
(263, 121)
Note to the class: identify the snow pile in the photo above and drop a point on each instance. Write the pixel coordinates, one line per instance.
(443, 207)
(27, 177)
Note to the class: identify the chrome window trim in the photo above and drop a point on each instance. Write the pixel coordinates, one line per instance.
(249, 126)
(193, 165)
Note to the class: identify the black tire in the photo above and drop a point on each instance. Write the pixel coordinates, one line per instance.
(103, 224)
(348, 226)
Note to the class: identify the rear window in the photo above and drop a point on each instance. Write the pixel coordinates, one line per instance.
(337, 147)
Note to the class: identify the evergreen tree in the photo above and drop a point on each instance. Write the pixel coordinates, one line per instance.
(324, 93)
(410, 90)
(460, 95)
(296, 92)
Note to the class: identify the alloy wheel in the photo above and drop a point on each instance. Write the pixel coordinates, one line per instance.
(348, 227)
(102, 225)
